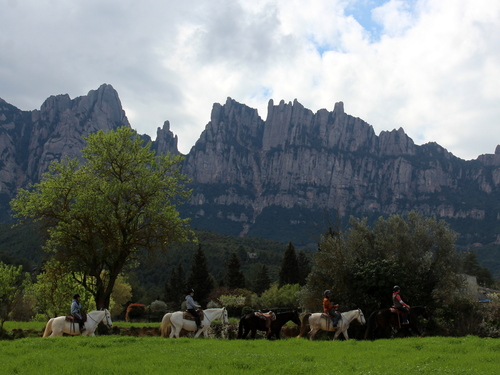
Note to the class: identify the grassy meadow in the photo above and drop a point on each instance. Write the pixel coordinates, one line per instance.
(156, 355)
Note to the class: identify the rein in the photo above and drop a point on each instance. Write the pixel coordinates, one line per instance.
(210, 321)
(90, 316)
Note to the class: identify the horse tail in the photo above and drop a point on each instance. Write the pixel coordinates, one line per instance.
(48, 328)
(370, 324)
(303, 325)
(165, 323)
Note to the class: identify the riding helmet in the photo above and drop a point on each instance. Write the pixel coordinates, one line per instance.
(76, 296)
(191, 291)
(396, 288)
(327, 292)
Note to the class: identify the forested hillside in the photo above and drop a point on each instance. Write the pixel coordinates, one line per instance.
(23, 245)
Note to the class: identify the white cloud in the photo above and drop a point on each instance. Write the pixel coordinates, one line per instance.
(430, 66)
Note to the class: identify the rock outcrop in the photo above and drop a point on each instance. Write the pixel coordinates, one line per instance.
(251, 174)
(276, 178)
(31, 140)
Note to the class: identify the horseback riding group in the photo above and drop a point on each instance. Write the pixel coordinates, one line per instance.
(400, 315)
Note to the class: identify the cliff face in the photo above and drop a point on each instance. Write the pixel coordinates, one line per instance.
(31, 140)
(276, 178)
(248, 173)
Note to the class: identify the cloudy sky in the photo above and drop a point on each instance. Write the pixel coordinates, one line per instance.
(431, 67)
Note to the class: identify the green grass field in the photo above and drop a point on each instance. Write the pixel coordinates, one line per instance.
(156, 355)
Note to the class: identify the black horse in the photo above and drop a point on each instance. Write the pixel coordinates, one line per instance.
(380, 320)
(251, 322)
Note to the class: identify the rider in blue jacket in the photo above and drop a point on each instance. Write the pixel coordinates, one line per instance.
(76, 308)
(192, 306)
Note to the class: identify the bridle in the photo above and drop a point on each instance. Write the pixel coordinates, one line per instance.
(105, 316)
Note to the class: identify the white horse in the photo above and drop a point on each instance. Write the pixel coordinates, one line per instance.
(178, 322)
(318, 322)
(58, 326)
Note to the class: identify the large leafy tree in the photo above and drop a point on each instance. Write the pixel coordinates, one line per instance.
(102, 214)
(362, 265)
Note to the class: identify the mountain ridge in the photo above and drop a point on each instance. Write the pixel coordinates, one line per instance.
(276, 178)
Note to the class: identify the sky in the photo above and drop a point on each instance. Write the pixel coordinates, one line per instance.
(431, 67)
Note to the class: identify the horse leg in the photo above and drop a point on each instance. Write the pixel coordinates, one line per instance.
(173, 331)
(346, 335)
(312, 333)
(198, 332)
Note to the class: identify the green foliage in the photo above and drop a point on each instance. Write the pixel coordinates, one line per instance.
(262, 282)
(100, 215)
(361, 265)
(234, 277)
(14, 284)
(55, 288)
(176, 288)
(470, 266)
(199, 279)
(304, 266)
(286, 296)
(289, 272)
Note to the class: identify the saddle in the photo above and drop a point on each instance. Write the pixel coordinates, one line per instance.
(269, 315)
(394, 310)
(329, 320)
(327, 316)
(188, 316)
(71, 319)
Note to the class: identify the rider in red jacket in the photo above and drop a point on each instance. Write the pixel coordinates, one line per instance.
(399, 304)
(329, 309)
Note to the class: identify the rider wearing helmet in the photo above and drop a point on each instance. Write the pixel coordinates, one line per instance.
(76, 308)
(192, 306)
(399, 304)
(329, 309)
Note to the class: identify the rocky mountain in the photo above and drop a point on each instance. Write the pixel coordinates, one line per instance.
(281, 178)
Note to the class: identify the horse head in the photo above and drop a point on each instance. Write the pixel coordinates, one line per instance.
(224, 316)
(361, 317)
(107, 318)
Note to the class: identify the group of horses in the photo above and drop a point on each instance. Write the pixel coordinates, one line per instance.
(378, 321)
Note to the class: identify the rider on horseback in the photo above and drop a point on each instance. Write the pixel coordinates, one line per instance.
(192, 306)
(76, 308)
(329, 309)
(399, 304)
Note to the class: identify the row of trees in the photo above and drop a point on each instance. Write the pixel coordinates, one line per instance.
(294, 270)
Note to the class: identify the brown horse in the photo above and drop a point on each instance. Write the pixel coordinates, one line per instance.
(251, 322)
(380, 320)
